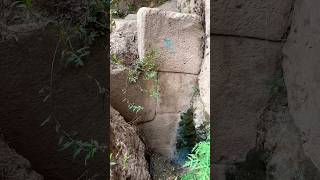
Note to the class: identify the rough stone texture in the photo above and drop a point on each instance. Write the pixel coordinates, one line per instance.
(126, 143)
(218, 172)
(133, 93)
(302, 75)
(131, 17)
(123, 41)
(242, 73)
(253, 18)
(176, 36)
(160, 134)
(192, 6)
(13, 166)
(175, 92)
(169, 6)
(201, 120)
(204, 76)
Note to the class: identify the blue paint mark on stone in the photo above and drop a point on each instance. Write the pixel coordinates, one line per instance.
(168, 43)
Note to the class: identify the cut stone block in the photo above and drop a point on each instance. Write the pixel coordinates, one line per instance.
(242, 74)
(123, 41)
(176, 90)
(176, 37)
(169, 6)
(160, 134)
(254, 18)
(118, 82)
(301, 70)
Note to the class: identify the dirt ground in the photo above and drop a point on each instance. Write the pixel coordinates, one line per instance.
(25, 68)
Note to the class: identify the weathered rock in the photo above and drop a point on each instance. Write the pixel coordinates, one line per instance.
(122, 93)
(192, 6)
(201, 120)
(169, 6)
(123, 41)
(260, 19)
(160, 134)
(131, 17)
(242, 73)
(176, 36)
(127, 150)
(302, 75)
(204, 76)
(176, 91)
(15, 167)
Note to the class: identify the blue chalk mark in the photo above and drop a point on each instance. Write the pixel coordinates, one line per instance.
(168, 43)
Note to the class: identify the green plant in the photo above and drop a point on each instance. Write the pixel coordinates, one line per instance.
(112, 162)
(195, 90)
(125, 161)
(135, 107)
(198, 162)
(278, 84)
(24, 3)
(68, 141)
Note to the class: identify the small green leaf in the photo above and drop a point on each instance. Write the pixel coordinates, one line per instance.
(76, 153)
(46, 121)
(61, 139)
(66, 145)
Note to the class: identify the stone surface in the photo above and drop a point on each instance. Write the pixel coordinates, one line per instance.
(138, 93)
(176, 91)
(176, 36)
(123, 41)
(204, 76)
(131, 17)
(160, 134)
(302, 75)
(15, 167)
(242, 73)
(125, 143)
(253, 18)
(192, 6)
(169, 6)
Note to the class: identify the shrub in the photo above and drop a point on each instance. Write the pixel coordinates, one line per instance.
(198, 162)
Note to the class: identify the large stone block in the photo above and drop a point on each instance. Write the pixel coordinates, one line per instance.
(160, 134)
(176, 37)
(242, 72)
(254, 18)
(125, 142)
(138, 93)
(176, 90)
(302, 75)
(123, 40)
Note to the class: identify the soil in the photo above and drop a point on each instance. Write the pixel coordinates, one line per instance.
(25, 68)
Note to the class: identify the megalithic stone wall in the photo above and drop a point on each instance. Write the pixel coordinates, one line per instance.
(302, 74)
(178, 39)
(247, 43)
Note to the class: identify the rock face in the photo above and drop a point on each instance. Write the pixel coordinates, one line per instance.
(122, 94)
(127, 150)
(245, 75)
(251, 18)
(176, 36)
(301, 70)
(204, 76)
(123, 41)
(15, 167)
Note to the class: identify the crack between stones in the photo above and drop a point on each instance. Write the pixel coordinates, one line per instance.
(250, 37)
(179, 72)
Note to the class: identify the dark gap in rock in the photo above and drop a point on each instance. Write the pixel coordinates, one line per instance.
(186, 137)
(253, 168)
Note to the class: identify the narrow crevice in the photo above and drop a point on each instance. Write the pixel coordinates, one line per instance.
(250, 37)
